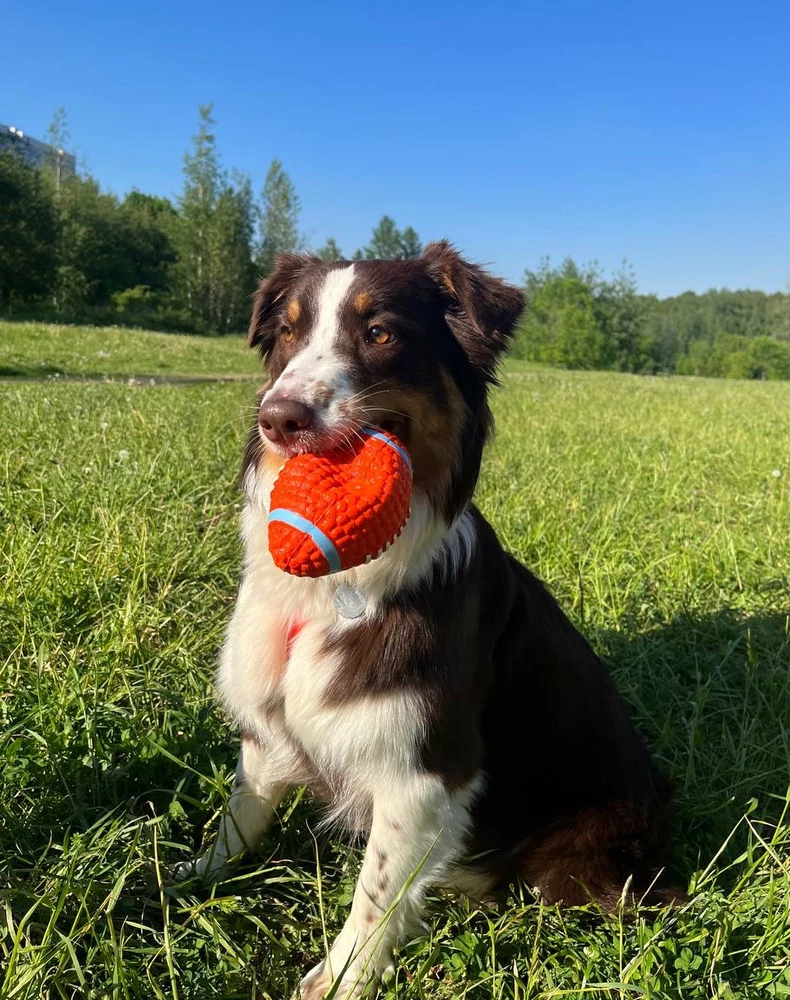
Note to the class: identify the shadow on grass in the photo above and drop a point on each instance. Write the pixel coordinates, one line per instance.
(25, 372)
(712, 694)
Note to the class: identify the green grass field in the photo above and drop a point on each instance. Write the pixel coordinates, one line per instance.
(657, 510)
(36, 350)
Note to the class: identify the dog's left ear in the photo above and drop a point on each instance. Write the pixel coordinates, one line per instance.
(481, 310)
(271, 291)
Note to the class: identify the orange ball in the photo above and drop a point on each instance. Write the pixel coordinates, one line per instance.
(342, 508)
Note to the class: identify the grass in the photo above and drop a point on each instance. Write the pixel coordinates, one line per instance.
(651, 506)
(39, 350)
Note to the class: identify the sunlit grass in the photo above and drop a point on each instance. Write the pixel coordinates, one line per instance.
(657, 510)
(41, 350)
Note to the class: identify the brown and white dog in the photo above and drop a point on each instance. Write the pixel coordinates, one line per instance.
(459, 720)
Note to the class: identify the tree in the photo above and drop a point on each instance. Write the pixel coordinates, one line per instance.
(58, 137)
(386, 242)
(330, 251)
(232, 269)
(148, 223)
(212, 237)
(278, 219)
(561, 324)
(196, 206)
(29, 231)
(578, 318)
(411, 246)
(621, 313)
(93, 257)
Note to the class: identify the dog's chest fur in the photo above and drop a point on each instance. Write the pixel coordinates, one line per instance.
(297, 685)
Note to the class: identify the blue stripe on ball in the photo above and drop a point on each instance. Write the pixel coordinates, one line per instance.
(381, 436)
(325, 544)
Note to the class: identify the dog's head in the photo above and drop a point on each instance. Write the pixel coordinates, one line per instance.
(409, 345)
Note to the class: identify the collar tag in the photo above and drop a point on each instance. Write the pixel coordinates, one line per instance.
(349, 602)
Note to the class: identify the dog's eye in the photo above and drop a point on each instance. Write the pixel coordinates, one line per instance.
(286, 334)
(378, 335)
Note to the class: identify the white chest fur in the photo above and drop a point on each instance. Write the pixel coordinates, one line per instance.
(282, 691)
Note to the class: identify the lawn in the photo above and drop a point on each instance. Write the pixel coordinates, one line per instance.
(36, 350)
(657, 510)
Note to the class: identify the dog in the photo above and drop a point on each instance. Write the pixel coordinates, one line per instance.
(456, 717)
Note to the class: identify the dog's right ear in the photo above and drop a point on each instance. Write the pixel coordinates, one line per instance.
(482, 310)
(271, 291)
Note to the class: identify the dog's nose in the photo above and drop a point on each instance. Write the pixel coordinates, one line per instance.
(283, 420)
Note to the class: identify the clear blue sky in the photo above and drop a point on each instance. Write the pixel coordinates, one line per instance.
(654, 131)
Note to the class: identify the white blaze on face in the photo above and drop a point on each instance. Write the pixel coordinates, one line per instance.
(317, 375)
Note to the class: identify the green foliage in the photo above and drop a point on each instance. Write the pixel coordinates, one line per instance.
(94, 252)
(330, 251)
(561, 326)
(732, 356)
(69, 250)
(650, 507)
(278, 219)
(387, 242)
(148, 224)
(576, 318)
(59, 139)
(29, 232)
(410, 244)
(212, 237)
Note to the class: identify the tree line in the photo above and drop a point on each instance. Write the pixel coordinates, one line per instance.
(70, 251)
(579, 318)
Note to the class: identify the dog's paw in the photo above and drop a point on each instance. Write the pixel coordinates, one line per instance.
(184, 870)
(318, 982)
(209, 866)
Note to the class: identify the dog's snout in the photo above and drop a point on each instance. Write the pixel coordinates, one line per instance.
(284, 420)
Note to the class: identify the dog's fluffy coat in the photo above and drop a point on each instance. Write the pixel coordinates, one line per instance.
(462, 722)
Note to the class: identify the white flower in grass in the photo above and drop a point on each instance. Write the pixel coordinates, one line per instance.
(123, 454)
(776, 473)
(104, 425)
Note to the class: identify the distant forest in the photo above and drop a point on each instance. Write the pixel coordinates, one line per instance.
(72, 252)
(578, 318)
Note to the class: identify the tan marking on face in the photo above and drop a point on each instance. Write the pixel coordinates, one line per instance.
(293, 311)
(446, 280)
(435, 431)
(272, 461)
(362, 302)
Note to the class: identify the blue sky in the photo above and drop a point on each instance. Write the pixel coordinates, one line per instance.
(657, 132)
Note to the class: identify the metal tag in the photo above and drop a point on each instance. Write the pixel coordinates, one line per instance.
(349, 602)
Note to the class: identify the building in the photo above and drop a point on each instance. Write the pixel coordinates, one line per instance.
(36, 153)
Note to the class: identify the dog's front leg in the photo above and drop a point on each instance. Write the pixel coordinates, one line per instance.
(417, 831)
(258, 788)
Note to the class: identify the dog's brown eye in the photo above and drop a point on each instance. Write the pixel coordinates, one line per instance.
(287, 334)
(378, 335)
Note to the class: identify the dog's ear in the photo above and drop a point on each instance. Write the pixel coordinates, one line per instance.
(271, 291)
(481, 310)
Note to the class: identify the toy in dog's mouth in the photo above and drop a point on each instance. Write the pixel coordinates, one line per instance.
(337, 509)
(398, 427)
